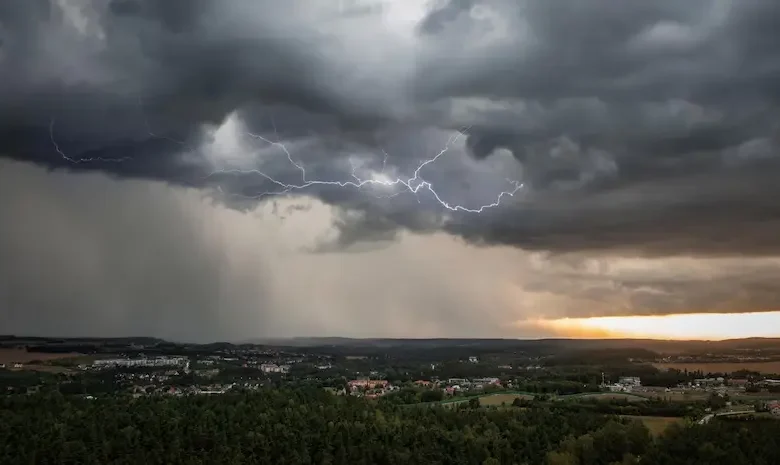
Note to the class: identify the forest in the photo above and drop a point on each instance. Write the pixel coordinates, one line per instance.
(311, 426)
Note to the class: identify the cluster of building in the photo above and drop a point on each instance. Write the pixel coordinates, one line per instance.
(274, 368)
(13, 365)
(708, 382)
(378, 387)
(149, 378)
(455, 385)
(370, 388)
(192, 390)
(141, 362)
(768, 383)
(624, 384)
(720, 383)
(714, 358)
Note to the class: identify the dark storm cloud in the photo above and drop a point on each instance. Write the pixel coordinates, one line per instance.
(647, 127)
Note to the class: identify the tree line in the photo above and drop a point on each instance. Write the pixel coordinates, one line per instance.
(311, 426)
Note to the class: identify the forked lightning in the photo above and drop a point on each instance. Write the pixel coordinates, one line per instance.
(412, 185)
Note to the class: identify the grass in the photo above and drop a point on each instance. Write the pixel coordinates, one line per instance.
(686, 396)
(656, 425)
(500, 399)
(22, 356)
(722, 367)
(765, 415)
(490, 399)
(694, 396)
(630, 397)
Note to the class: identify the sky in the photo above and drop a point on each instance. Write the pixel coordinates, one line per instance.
(204, 170)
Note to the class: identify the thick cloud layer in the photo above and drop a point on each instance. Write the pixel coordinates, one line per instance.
(642, 128)
(87, 255)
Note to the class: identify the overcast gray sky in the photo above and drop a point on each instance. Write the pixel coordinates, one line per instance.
(161, 165)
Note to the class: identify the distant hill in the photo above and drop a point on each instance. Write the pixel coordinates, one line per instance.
(532, 345)
(141, 340)
(374, 345)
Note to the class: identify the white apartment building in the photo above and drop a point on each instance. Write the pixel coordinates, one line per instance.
(629, 381)
(274, 368)
(141, 362)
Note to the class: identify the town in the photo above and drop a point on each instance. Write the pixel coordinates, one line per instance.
(413, 374)
(250, 391)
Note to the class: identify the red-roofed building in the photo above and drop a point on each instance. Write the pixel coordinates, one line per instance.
(773, 407)
(367, 384)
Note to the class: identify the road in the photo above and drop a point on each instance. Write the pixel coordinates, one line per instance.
(710, 416)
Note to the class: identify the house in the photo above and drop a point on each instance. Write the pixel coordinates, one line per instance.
(473, 359)
(773, 407)
(423, 383)
(630, 381)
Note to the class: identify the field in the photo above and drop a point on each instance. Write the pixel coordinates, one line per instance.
(656, 425)
(686, 396)
(22, 356)
(762, 367)
(44, 369)
(608, 396)
(499, 399)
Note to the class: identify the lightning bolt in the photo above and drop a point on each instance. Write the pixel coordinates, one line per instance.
(147, 126)
(413, 185)
(79, 160)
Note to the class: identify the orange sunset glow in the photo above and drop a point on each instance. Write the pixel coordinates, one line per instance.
(707, 326)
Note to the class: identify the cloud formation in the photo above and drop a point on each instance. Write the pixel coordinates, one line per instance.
(84, 254)
(644, 131)
(644, 127)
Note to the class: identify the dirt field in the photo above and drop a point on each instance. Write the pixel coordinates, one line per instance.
(763, 367)
(22, 356)
(498, 399)
(656, 425)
